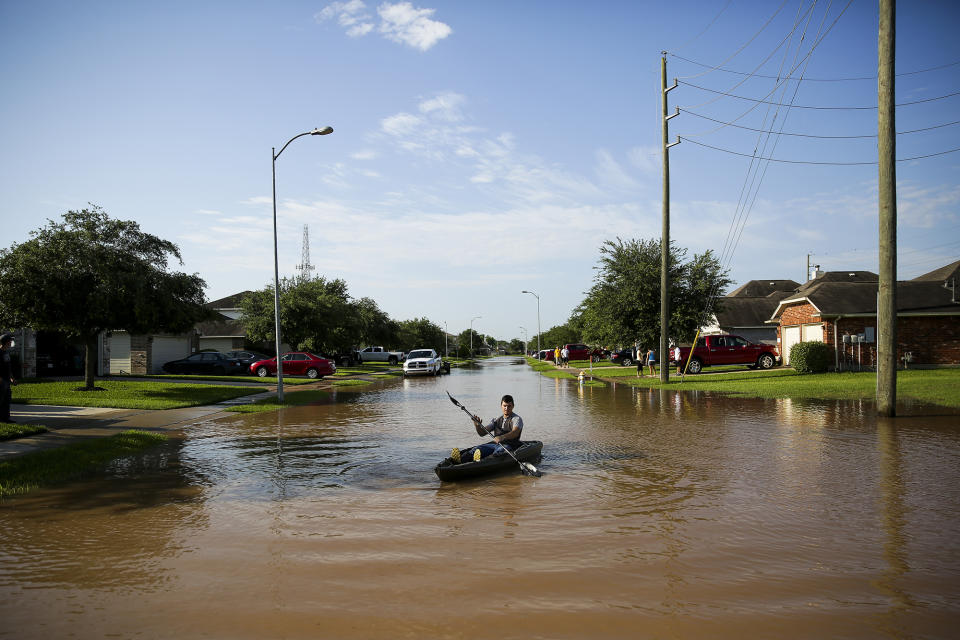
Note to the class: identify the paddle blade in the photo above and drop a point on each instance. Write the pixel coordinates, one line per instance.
(529, 470)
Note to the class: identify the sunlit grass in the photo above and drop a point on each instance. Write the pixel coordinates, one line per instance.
(256, 379)
(10, 431)
(350, 383)
(292, 399)
(127, 394)
(33, 470)
(930, 386)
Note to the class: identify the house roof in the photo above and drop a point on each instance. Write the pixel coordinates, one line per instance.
(221, 327)
(948, 272)
(230, 302)
(840, 276)
(832, 299)
(741, 311)
(763, 288)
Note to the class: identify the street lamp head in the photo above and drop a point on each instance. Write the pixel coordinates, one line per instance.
(322, 132)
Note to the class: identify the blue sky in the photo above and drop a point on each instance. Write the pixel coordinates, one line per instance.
(480, 148)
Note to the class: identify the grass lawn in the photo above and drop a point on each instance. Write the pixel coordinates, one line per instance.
(10, 431)
(268, 380)
(127, 394)
(33, 470)
(292, 399)
(930, 386)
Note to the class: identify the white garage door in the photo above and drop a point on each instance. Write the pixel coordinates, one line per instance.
(812, 332)
(218, 344)
(791, 336)
(119, 353)
(165, 349)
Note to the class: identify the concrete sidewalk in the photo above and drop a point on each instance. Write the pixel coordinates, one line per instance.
(71, 424)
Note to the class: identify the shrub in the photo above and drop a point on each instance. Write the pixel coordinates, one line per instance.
(810, 357)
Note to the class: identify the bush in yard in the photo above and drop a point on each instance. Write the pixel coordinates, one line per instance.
(810, 357)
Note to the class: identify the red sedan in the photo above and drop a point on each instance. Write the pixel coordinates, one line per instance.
(296, 363)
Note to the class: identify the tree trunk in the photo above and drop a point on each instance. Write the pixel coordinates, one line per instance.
(90, 366)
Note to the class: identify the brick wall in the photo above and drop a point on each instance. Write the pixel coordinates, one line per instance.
(139, 348)
(932, 340)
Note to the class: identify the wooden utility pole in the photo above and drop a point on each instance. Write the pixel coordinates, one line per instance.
(886, 144)
(665, 233)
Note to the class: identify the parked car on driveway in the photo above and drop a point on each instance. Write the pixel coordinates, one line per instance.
(205, 362)
(246, 358)
(423, 361)
(624, 357)
(723, 349)
(295, 363)
(578, 351)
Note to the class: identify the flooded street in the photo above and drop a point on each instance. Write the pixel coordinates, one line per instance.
(658, 515)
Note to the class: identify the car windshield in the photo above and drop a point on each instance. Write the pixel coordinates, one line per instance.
(420, 354)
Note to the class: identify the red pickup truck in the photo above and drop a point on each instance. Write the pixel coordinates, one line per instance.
(726, 349)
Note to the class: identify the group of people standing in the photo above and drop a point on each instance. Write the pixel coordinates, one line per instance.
(561, 357)
(648, 358)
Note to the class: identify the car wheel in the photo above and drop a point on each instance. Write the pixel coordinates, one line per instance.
(627, 362)
(262, 372)
(313, 373)
(696, 366)
(765, 361)
(392, 360)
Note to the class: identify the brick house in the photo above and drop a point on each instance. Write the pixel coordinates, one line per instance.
(745, 310)
(838, 304)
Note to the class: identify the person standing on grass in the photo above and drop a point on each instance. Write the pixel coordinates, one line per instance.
(652, 362)
(6, 376)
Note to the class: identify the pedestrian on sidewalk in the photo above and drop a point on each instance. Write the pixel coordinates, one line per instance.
(6, 376)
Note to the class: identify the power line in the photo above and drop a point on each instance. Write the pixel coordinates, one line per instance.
(798, 106)
(706, 28)
(754, 156)
(757, 75)
(809, 135)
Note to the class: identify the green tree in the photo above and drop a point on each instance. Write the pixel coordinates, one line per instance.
(420, 333)
(463, 341)
(91, 273)
(315, 314)
(623, 305)
(559, 335)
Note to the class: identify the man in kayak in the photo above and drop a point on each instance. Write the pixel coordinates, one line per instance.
(505, 430)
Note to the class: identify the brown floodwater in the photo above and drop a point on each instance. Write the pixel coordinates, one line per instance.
(658, 515)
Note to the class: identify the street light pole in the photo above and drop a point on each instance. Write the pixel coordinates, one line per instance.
(538, 318)
(276, 269)
(524, 329)
(471, 333)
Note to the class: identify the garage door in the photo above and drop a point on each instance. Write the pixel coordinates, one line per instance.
(217, 344)
(791, 336)
(167, 348)
(812, 332)
(119, 353)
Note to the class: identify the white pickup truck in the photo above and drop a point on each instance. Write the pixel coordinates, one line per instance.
(379, 354)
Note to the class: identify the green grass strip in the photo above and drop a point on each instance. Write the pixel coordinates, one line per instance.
(929, 386)
(256, 379)
(127, 394)
(33, 470)
(11, 431)
(292, 399)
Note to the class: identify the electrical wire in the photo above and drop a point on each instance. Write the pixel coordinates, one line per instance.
(706, 28)
(799, 106)
(757, 75)
(748, 155)
(808, 135)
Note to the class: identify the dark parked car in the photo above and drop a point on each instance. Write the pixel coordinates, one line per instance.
(206, 362)
(624, 357)
(297, 363)
(246, 358)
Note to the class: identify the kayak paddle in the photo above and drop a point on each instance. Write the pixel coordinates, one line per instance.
(525, 467)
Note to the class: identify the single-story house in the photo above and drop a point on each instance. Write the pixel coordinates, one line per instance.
(745, 310)
(838, 304)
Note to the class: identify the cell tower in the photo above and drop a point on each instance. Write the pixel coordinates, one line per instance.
(305, 267)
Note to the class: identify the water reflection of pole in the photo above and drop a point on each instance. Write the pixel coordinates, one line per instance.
(893, 516)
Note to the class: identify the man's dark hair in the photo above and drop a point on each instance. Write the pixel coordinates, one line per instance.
(507, 398)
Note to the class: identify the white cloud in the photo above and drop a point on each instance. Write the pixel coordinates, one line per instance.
(445, 106)
(610, 172)
(399, 22)
(352, 15)
(413, 27)
(366, 154)
(400, 124)
(646, 159)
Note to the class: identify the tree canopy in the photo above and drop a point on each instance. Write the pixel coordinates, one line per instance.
(623, 305)
(317, 314)
(421, 333)
(91, 273)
